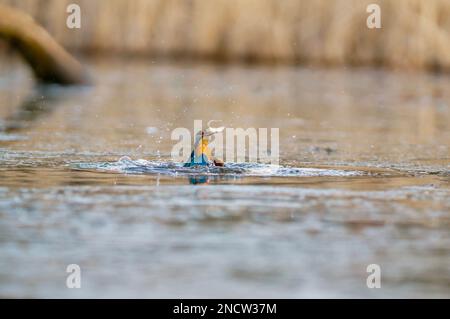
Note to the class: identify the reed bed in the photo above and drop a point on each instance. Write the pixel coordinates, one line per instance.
(414, 33)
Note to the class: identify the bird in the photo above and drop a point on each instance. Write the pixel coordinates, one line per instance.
(201, 153)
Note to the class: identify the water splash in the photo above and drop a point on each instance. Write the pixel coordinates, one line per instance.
(126, 165)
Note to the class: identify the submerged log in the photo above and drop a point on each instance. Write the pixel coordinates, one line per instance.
(48, 60)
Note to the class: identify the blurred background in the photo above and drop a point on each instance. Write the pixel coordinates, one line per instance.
(364, 122)
(414, 33)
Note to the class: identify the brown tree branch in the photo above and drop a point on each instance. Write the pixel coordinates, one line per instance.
(50, 62)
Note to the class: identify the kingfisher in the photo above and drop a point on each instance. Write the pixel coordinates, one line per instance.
(201, 153)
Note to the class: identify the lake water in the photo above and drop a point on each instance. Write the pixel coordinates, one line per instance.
(364, 178)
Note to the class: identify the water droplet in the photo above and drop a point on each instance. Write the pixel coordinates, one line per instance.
(151, 130)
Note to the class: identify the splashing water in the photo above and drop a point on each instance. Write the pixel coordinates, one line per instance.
(126, 165)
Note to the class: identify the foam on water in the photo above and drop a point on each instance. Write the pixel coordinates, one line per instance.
(126, 165)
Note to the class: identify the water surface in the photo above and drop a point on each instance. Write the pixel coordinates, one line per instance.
(364, 178)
